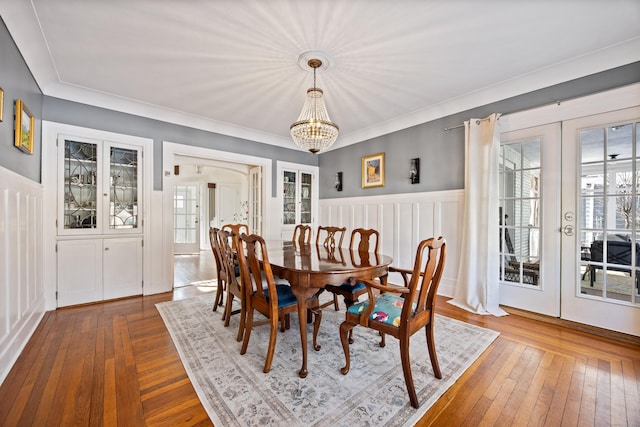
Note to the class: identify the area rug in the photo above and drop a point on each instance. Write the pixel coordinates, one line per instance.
(235, 392)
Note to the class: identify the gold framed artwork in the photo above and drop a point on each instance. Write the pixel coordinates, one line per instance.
(1, 104)
(24, 128)
(373, 171)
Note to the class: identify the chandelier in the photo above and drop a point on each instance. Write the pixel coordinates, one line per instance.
(314, 130)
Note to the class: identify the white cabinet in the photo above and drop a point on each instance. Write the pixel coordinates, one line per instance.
(298, 188)
(96, 269)
(99, 228)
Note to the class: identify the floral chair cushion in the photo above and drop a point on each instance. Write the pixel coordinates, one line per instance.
(387, 309)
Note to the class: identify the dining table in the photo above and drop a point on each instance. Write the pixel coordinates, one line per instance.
(309, 268)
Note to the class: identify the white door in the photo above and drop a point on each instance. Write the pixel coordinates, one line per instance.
(79, 271)
(529, 223)
(255, 200)
(186, 214)
(601, 220)
(122, 267)
(230, 205)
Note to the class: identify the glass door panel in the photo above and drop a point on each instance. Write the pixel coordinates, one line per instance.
(123, 194)
(289, 198)
(185, 222)
(80, 178)
(305, 197)
(609, 248)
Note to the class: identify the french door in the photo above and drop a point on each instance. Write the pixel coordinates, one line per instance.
(186, 213)
(601, 221)
(529, 219)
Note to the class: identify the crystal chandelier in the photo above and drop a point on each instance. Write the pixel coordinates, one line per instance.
(314, 130)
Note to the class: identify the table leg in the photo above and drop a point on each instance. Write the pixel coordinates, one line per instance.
(303, 295)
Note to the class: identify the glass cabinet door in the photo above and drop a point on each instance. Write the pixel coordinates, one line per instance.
(289, 198)
(80, 184)
(100, 184)
(305, 198)
(123, 188)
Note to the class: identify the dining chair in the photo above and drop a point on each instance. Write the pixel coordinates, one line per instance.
(351, 291)
(237, 230)
(329, 236)
(220, 271)
(233, 282)
(270, 298)
(401, 311)
(302, 234)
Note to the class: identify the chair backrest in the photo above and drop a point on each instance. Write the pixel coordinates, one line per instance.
(215, 248)
(225, 241)
(302, 234)
(330, 235)
(363, 237)
(425, 277)
(237, 230)
(255, 270)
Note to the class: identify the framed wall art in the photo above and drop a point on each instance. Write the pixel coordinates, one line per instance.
(24, 128)
(373, 171)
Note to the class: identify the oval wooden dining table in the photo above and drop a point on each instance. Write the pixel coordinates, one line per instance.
(310, 267)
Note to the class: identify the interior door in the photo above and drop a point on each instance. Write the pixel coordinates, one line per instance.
(601, 221)
(186, 214)
(230, 204)
(529, 224)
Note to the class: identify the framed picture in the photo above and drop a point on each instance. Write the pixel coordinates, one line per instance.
(373, 170)
(1, 104)
(24, 128)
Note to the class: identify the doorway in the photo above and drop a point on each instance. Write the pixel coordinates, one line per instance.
(224, 163)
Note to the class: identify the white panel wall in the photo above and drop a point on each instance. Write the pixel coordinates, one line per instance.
(403, 221)
(21, 288)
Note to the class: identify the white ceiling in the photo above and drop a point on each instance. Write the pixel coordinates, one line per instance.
(231, 66)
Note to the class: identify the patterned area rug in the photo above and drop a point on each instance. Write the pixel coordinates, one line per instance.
(235, 392)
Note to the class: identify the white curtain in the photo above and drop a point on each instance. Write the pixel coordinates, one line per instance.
(478, 289)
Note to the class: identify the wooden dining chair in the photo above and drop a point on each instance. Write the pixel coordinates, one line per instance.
(401, 311)
(272, 299)
(220, 271)
(302, 234)
(352, 291)
(237, 230)
(327, 236)
(233, 282)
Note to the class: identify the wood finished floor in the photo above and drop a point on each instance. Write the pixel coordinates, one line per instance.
(114, 364)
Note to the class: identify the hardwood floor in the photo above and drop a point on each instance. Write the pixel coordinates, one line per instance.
(114, 364)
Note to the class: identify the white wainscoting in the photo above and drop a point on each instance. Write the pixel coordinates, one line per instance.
(403, 221)
(21, 286)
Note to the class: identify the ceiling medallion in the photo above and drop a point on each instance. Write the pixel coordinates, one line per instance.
(314, 131)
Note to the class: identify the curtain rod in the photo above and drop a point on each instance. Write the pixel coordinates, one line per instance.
(556, 102)
(462, 125)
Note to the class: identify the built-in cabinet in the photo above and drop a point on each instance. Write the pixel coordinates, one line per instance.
(99, 229)
(98, 269)
(299, 189)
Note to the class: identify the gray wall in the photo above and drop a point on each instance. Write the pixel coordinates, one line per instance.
(441, 152)
(73, 113)
(18, 83)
